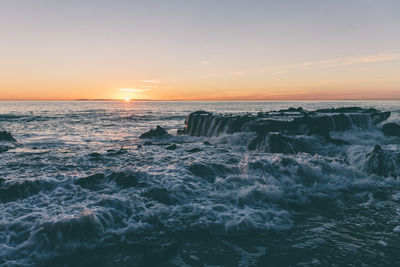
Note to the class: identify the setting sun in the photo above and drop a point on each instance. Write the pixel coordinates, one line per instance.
(127, 99)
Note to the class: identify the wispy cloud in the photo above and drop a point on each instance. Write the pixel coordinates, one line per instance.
(352, 60)
(150, 81)
(335, 62)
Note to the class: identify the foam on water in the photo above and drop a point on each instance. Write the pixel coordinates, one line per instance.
(81, 189)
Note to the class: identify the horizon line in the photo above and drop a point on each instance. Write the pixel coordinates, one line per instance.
(198, 100)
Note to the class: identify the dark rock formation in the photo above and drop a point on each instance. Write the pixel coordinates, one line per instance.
(171, 147)
(383, 162)
(6, 136)
(209, 171)
(278, 143)
(294, 121)
(391, 129)
(161, 195)
(159, 132)
(194, 150)
(283, 131)
(124, 179)
(21, 189)
(91, 182)
(95, 181)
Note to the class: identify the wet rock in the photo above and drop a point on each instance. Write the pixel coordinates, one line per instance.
(380, 195)
(4, 148)
(379, 117)
(159, 132)
(113, 152)
(292, 120)
(92, 182)
(383, 162)
(171, 147)
(257, 142)
(6, 136)
(19, 190)
(124, 179)
(161, 195)
(278, 143)
(391, 129)
(291, 109)
(95, 156)
(336, 141)
(148, 143)
(194, 150)
(209, 171)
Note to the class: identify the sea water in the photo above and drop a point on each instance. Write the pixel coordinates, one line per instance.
(197, 205)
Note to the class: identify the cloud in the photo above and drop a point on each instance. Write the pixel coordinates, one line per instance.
(150, 81)
(352, 60)
(335, 62)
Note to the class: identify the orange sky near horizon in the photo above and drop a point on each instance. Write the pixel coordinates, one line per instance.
(65, 50)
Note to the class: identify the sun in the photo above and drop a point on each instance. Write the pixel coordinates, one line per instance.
(127, 99)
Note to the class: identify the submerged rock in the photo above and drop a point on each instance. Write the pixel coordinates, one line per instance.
(161, 195)
(7, 141)
(124, 179)
(21, 189)
(391, 129)
(95, 181)
(194, 150)
(6, 136)
(159, 132)
(171, 147)
(91, 182)
(209, 171)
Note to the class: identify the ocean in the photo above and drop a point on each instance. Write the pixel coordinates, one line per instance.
(80, 188)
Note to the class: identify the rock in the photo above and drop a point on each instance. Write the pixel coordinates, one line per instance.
(171, 147)
(278, 143)
(194, 150)
(148, 143)
(19, 190)
(6, 136)
(95, 156)
(4, 148)
(123, 179)
(292, 120)
(91, 182)
(383, 162)
(159, 132)
(257, 142)
(391, 129)
(96, 181)
(209, 171)
(161, 195)
(379, 117)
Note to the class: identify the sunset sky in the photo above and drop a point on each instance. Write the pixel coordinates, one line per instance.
(199, 50)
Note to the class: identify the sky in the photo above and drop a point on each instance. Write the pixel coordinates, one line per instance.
(199, 50)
